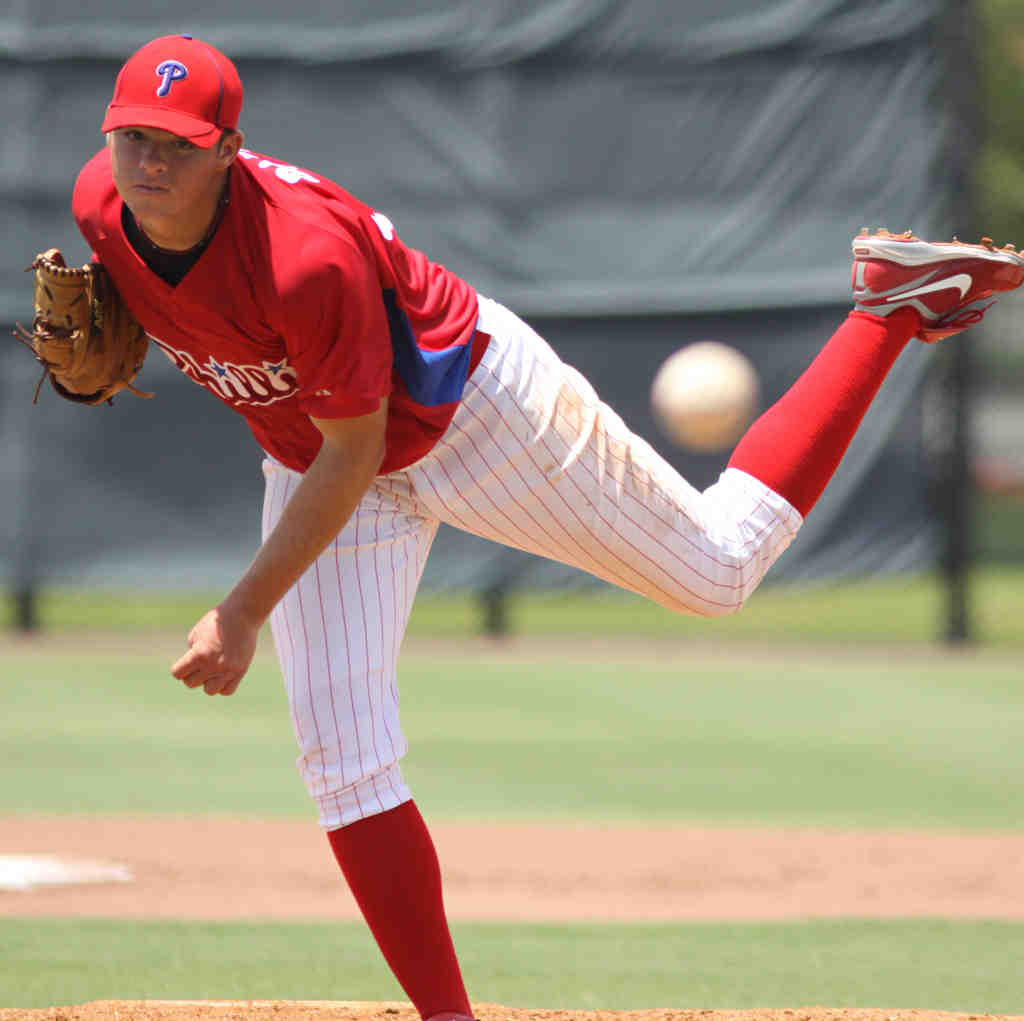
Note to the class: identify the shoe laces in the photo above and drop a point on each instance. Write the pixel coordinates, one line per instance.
(965, 317)
(959, 320)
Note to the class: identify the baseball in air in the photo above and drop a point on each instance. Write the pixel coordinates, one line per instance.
(705, 395)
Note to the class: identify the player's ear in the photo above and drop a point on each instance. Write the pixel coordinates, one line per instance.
(228, 146)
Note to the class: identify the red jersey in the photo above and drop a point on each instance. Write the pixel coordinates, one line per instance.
(305, 303)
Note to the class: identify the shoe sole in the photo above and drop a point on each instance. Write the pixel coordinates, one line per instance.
(911, 251)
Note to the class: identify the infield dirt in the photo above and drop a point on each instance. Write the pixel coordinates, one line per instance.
(278, 1010)
(518, 873)
(283, 869)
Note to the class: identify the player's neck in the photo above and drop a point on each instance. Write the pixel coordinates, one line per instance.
(182, 234)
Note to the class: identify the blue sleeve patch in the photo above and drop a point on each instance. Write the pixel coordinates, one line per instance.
(430, 377)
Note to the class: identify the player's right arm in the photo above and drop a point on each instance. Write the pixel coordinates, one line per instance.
(325, 302)
(222, 644)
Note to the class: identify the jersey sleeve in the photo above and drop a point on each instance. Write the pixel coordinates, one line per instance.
(336, 329)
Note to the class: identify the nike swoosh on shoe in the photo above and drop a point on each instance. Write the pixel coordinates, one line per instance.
(962, 282)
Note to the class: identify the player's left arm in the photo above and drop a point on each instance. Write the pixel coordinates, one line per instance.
(223, 642)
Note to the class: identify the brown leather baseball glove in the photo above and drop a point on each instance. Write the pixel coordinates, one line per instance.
(83, 335)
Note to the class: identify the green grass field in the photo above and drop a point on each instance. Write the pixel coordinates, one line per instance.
(814, 710)
(968, 966)
(899, 609)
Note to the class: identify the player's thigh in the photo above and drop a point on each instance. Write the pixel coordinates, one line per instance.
(534, 459)
(338, 631)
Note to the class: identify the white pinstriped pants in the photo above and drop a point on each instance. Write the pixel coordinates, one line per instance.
(533, 460)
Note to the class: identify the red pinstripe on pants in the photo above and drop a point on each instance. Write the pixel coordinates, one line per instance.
(533, 460)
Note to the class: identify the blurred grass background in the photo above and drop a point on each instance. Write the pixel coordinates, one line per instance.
(999, 190)
(901, 608)
(865, 729)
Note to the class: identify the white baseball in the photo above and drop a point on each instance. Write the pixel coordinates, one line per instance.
(705, 395)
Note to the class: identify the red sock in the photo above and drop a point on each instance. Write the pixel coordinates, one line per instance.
(796, 445)
(391, 866)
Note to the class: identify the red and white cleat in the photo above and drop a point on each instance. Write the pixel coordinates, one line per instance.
(951, 284)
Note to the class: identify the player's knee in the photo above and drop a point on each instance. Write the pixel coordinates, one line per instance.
(715, 601)
(726, 608)
(710, 609)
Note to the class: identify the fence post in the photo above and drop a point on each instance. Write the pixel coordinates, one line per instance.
(958, 46)
(26, 614)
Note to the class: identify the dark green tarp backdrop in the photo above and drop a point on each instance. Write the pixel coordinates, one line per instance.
(627, 175)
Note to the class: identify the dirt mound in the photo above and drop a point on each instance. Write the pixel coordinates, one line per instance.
(290, 1010)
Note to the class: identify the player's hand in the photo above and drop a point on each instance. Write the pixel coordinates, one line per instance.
(221, 648)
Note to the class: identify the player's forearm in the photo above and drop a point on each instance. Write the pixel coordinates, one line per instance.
(322, 503)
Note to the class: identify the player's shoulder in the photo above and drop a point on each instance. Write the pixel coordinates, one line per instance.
(96, 174)
(94, 188)
(304, 200)
(315, 229)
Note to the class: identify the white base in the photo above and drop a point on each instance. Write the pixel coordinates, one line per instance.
(21, 872)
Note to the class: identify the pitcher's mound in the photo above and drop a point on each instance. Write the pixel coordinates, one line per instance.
(328, 1010)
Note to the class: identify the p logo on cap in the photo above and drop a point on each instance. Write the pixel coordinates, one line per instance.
(197, 94)
(169, 72)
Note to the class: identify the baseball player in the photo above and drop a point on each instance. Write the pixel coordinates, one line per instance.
(389, 396)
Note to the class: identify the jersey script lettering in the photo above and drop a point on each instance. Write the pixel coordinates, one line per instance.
(265, 383)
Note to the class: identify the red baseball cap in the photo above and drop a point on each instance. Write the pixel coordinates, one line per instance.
(178, 84)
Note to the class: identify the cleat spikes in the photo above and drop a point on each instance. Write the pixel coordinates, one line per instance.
(908, 236)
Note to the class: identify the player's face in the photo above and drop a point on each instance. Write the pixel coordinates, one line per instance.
(166, 181)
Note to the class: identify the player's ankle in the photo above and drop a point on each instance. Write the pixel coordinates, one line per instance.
(903, 317)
